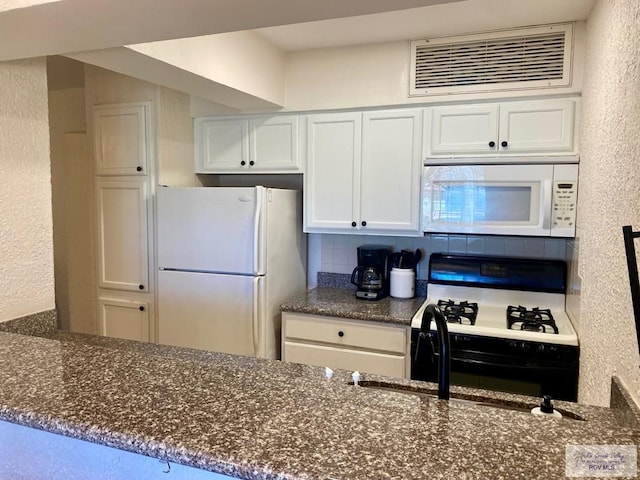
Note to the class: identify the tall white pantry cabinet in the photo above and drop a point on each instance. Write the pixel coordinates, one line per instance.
(123, 152)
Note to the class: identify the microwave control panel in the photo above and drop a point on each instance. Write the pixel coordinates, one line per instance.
(565, 196)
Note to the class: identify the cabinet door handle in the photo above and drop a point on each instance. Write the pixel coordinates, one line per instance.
(492, 144)
(243, 163)
(252, 163)
(364, 224)
(354, 224)
(340, 333)
(141, 287)
(504, 143)
(138, 169)
(141, 308)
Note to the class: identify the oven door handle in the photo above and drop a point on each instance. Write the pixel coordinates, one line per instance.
(524, 368)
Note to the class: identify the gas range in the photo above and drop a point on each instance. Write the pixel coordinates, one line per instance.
(491, 319)
(507, 325)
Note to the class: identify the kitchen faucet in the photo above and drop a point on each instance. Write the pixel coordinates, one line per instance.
(444, 359)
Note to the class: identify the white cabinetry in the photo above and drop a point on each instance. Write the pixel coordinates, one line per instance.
(363, 172)
(258, 144)
(124, 185)
(122, 235)
(534, 127)
(126, 319)
(347, 344)
(121, 139)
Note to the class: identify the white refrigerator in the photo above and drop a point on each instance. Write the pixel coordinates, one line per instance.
(228, 257)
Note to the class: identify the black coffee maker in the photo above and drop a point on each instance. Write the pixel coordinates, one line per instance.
(371, 276)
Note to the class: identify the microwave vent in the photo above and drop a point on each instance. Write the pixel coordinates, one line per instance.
(517, 59)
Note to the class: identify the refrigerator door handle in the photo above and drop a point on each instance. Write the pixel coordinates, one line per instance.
(257, 237)
(256, 315)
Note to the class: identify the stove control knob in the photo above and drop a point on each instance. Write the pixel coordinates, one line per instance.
(541, 347)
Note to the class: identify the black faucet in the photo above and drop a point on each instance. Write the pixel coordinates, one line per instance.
(424, 340)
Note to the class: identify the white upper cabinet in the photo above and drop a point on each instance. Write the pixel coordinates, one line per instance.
(332, 187)
(274, 143)
(391, 168)
(123, 211)
(122, 140)
(543, 126)
(468, 129)
(261, 144)
(533, 127)
(363, 172)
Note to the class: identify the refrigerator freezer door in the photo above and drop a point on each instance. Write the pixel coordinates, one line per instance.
(213, 312)
(211, 229)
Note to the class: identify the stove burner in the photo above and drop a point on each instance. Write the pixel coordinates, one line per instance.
(459, 312)
(534, 320)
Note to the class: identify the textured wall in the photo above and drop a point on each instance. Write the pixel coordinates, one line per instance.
(26, 240)
(175, 140)
(609, 197)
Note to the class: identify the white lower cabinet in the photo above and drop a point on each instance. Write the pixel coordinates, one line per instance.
(346, 344)
(122, 318)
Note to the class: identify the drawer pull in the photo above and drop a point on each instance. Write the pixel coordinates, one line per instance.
(340, 333)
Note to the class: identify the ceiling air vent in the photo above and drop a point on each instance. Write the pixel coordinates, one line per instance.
(508, 60)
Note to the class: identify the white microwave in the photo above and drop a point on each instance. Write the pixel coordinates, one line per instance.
(527, 199)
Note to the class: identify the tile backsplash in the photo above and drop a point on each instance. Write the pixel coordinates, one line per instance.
(337, 253)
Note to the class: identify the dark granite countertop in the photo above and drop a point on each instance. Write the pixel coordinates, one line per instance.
(265, 419)
(341, 302)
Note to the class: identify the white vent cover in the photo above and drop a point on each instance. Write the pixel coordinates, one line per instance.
(516, 59)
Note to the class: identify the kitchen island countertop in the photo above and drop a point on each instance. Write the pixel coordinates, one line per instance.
(264, 419)
(342, 302)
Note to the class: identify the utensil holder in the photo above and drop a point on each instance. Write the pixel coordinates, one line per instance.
(403, 283)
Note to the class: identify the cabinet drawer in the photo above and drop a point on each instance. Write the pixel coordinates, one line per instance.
(336, 357)
(355, 334)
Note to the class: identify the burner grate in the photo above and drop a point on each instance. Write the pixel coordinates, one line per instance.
(534, 320)
(463, 312)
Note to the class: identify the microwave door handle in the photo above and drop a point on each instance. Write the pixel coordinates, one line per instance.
(547, 199)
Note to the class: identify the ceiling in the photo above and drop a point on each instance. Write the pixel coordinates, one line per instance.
(30, 28)
(468, 16)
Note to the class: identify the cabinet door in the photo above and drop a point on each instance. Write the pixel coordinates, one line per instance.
(347, 359)
(221, 144)
(122, 235)
(463, 129)
(274, 144)
(121, 139)
(391, 168)
(332, 185)
(124, 319)
(537, 126)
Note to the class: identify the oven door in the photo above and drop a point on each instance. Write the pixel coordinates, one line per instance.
(487, 199)
(526, 368)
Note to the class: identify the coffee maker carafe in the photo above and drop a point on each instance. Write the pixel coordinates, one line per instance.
(371, 276)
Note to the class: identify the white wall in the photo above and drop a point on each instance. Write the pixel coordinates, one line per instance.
(175, 140)
(73, 215)
(241, 60)
(26, 238)
(609, 198)
(378, 74)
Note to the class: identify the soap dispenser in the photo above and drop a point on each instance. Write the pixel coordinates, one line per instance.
(546, 408)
